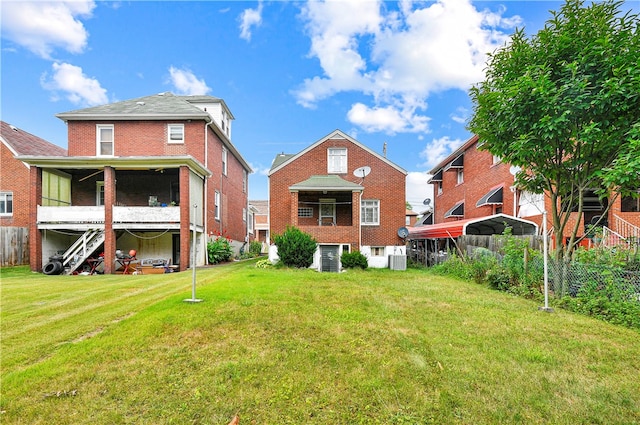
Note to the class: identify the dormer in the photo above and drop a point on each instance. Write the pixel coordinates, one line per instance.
(216, 108)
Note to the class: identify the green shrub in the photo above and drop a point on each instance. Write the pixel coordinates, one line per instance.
(454, 266)
(265, 263)
(255, 248)
(295, 247)
(482, 261)
(219, 250)
(351, 260)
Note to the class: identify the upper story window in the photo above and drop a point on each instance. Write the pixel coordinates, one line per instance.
(460, 176)
(244, 214)
(370, 212)
(337, 160)
(439, 184)
(104, 140)
(217, 206)
(496, 159)
(244, 181)
(6, 204)
(175, 133)
(224, 161)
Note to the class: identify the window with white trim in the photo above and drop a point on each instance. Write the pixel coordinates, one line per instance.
(377, 251)
(175, 133)
(244, 214)
(104, 140)
(460, 176)
(100, 194)
(337, 160)
(224, 161)
(250, 219)
(244, 181)
(216, 203)
(6, 204)
(370, 212)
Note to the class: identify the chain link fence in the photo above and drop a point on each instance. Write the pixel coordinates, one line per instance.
(575, 278)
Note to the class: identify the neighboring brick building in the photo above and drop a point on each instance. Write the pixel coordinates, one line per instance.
(14, 189)
(142, 173)
(345, 195)
(471, 184)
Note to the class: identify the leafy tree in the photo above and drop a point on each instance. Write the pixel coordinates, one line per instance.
(295, 247)
(564, 105)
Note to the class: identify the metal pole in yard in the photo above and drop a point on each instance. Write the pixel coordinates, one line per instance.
(193, 259)
(546, 264)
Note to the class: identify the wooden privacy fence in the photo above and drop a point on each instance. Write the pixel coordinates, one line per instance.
(434, 251)
(494, 243)
(14, 246)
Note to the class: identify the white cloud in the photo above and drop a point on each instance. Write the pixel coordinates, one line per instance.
(43, 26)
(76, 86)
(461, 115)
(250, 18)
(438, 149)
(388, 119)
(186, 82)
(399, 58)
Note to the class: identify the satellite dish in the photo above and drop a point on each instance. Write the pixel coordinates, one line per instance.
(426, 201)
(403, 232)
(362, 171)
(514, 170)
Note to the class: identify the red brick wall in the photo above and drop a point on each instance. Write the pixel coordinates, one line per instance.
(149, 138)
(232, 197)
(15, 178)
(385, 183)
(137, 138)
(480, 176)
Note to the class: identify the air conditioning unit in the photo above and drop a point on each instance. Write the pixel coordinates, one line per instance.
(398, 262)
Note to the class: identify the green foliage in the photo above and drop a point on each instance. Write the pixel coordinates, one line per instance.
(255, 248)
(454, 266)
(219, 250)
(607, 299)
(295, 247)
(352, 260)
(482, 262)
(565, 106)
(265, 263)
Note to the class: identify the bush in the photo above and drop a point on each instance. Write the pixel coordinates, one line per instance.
(255, 248)
(483, 261)
(351, 260)
(295, 247)
(219, 250)
(265, 263)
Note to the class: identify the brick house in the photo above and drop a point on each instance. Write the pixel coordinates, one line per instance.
(142, 174)
(471, 184)
(342, 193)
(14, 189)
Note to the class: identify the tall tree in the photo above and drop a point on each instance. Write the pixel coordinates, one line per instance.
(564, 105)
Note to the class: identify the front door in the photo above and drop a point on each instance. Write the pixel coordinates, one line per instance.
(329, 258)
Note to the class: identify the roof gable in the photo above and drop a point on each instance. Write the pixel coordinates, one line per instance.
(21, 142)
(282, 160)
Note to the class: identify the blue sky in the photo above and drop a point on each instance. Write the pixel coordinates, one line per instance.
(291, 72)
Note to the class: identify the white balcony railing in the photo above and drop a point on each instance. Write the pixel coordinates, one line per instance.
(94, 217)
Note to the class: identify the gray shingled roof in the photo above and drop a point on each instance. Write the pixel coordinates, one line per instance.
(158, 106)
(280, 158)
(24, 143)
(330, 182)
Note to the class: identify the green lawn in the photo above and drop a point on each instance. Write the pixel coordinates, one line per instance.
(301, 347)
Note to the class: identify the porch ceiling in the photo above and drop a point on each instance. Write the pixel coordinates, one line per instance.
(122, 163)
